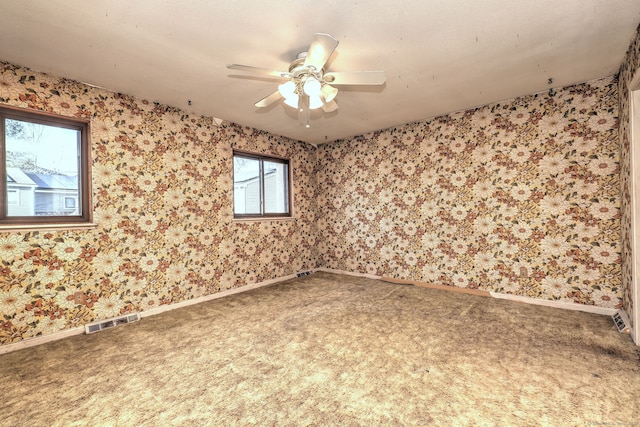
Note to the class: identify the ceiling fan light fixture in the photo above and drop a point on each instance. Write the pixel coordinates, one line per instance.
(307, 86)
(315, 102)
(312, 86)
(292, 101)
(328, 92)
(288, 90)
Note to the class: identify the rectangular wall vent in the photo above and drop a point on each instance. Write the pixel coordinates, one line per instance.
(303, 273)
(110, 323)
(621, 321)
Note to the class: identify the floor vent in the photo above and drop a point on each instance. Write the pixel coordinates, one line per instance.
(621, 321)
(110, 323)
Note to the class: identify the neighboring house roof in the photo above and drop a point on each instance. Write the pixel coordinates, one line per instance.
(246, 176)
(17, 176)
(51, 182)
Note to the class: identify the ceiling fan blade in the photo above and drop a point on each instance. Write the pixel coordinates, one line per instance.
(266, 101)
(355, 78)
(256, 71)
(330, 107)
(320, 50)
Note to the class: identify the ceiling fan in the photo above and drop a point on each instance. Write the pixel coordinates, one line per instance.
(307, 86)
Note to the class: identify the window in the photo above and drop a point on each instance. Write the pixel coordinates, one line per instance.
(260, 186)
(45, 161)
(13, 197)
(70, 202)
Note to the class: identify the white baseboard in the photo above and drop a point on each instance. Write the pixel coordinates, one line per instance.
(43, 339)
(557, 304)
(31, 342)
(168, 307)
(349, 273)
(527, 300)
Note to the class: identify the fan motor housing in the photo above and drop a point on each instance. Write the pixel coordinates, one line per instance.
(299, 71)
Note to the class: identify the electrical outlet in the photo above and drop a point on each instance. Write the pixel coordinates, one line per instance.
(523, 272)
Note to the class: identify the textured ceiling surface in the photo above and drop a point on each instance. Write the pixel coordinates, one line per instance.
(439, 56)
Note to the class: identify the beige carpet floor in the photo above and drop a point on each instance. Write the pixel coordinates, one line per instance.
(333, 350)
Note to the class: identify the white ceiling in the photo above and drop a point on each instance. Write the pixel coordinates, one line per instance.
(439, 56)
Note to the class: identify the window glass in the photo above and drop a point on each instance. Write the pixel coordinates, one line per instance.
(44, 158)
(246, 185)
(276, 199)
(260, 186)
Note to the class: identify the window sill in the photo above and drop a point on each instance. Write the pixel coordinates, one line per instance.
(265, 218)
(48, 227)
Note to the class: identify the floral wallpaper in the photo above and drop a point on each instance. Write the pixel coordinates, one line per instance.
(518, 197)
(162, 195)
(628, 69)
